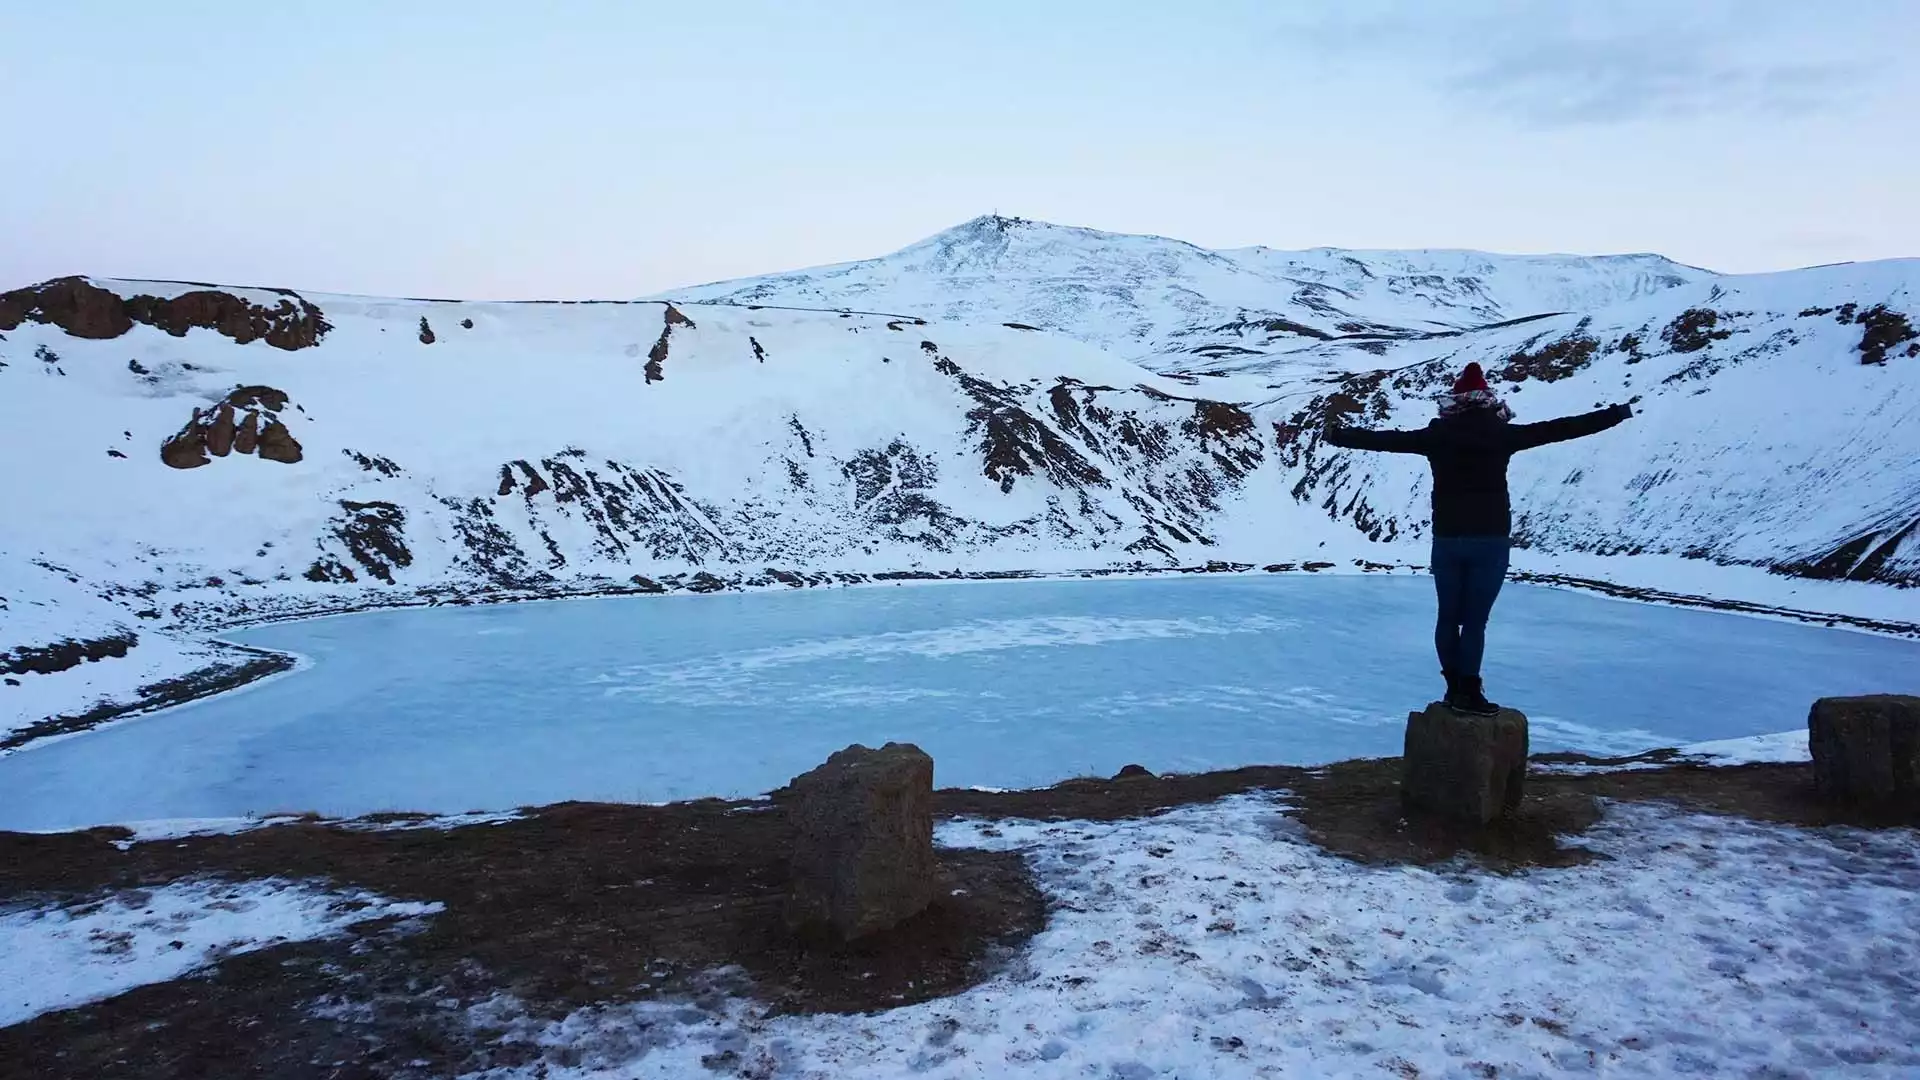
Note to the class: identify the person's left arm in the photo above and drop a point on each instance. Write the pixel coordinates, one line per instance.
(1528, 436)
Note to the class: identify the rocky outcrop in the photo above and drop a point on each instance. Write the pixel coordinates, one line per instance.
(863, 841)
(86, 310)
(215, 431)
(1552, 361)
(1888, 554)
(371, 535)
(657, 356)
(61, 655)
(1013, 442)
(278, 444)
(1466, 768)
(374, 463)
(632, 513)
(1866, 749)
(375, 536)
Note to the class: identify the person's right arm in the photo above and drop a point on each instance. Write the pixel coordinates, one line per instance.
(1392, 442)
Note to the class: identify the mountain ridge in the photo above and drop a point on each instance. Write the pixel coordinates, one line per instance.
(1157, 300)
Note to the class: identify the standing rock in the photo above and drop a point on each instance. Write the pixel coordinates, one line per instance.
(863, 841)
(1471, 768)
(278, 444)
(187, 448)
(247, 437)
(1866, 749)
(220, 432)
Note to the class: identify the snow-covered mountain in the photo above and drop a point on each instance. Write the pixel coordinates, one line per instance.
(186, 456)
(1171, 306)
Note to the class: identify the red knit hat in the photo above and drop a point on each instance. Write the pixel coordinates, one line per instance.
(1470, 380)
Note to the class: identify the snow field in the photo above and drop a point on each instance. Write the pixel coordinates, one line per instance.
(1215, 941)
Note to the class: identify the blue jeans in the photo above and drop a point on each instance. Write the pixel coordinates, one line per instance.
(1467, 574)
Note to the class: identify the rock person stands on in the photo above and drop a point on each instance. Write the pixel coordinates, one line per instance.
(1468, 447)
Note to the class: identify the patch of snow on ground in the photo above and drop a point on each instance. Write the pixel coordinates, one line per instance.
(1785, 747)
(1779, 748)
(1215, 941)
(440, 822)
(66, 955)
(181, 828)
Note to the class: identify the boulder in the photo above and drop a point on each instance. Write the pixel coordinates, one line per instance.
(246, 438)
(1470, 768)
(187, 448)
(278, 444)
(220, 433)
(1866, 749)
(863, 841)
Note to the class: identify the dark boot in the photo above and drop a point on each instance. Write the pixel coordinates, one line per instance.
(1469, 698)
(1453, 689)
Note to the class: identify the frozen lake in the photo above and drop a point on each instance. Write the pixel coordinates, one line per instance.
(1006, 684)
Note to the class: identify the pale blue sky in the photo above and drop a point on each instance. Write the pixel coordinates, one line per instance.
(580, 148)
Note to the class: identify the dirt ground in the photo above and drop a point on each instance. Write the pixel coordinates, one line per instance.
(580, 903)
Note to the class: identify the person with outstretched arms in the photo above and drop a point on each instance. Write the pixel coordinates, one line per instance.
(1468, 446)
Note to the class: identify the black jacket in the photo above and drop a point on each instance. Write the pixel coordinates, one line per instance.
(1469, 452)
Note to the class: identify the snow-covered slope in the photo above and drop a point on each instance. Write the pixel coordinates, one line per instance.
(184, 456)
(1778, 426)
(1171, 306)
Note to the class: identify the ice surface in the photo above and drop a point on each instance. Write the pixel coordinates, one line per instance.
(61, 956)
(1214, 942)
(1005, 684)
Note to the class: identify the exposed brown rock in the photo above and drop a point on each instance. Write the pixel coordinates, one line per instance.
(1866, 749)
(657, 356)
(74, 304)
(863, 841)
(286, 325)
(1695, 329)
(187, 449)
(220, 432)
(375, 537)
(258, 397)
(374, 463)
(61, 655)
(278, 444)
(247, 438)
(213, 430)
(1469, 768)
(86, 310)
(330, 569)
(1551, 362)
